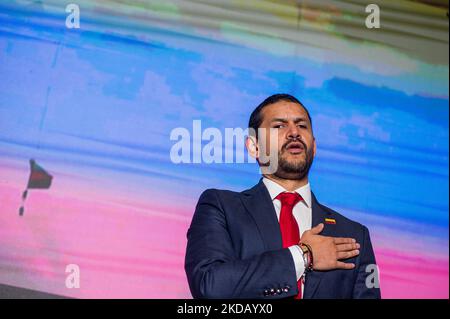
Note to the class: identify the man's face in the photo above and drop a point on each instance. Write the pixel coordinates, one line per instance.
(296, 143)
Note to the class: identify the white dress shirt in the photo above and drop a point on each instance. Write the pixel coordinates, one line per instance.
(302, 213)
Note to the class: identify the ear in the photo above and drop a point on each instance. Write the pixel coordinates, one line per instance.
(251, 144)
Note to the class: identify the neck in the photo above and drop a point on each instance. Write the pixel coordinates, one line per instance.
(288, 184)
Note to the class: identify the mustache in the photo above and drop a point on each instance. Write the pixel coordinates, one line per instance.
(286, 145)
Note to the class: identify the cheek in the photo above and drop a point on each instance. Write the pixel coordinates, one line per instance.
(270, 141)
(281, 139)
(309, 140)
(273, 140)
(311, 149)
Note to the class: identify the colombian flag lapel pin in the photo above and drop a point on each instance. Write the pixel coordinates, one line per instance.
(330, 221)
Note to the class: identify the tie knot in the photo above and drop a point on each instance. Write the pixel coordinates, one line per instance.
(289, 199)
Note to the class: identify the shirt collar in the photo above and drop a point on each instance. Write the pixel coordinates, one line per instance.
(275, 189)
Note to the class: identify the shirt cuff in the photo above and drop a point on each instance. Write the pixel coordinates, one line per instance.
(297, 255)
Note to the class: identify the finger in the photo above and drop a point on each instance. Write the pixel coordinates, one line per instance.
(342, 265)
(317, 230)
(342, 240)
(347, 254)
(347, 247)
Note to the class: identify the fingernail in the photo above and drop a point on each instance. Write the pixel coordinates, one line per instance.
(353, 240)
(358, 245)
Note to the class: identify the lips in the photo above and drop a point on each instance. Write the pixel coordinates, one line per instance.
(295, 147)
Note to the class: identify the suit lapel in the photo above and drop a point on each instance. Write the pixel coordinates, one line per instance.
(258, 203)
(313, 278)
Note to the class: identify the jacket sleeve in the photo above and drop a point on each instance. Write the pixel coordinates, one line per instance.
(214, 270)
(367, 280)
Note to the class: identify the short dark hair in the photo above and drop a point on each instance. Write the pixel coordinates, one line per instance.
(256, 118)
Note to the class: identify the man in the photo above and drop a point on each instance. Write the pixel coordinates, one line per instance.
(276, 240)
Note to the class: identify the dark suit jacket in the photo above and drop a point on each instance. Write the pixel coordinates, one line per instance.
(234, 250)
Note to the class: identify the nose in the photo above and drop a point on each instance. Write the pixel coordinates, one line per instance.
(293, 132)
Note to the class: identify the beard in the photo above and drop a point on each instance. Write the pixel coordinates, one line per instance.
(294, 169)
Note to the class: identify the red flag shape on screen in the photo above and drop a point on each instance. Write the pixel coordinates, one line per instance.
(39, 179)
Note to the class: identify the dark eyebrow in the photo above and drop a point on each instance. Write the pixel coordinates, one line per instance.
(279, 120)
(282, 120)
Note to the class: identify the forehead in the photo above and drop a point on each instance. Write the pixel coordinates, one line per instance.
(283, 109)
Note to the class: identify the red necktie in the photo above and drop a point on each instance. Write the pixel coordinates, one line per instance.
(288, 225)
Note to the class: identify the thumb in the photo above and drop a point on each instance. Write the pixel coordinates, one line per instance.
(317, 230)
